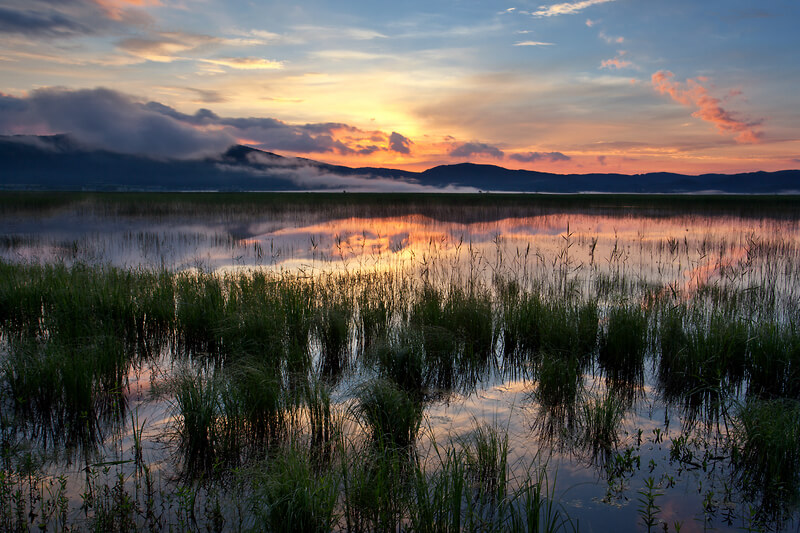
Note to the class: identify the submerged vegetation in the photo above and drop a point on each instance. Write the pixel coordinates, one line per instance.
(311, 399)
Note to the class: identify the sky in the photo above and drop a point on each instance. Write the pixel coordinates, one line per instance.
(581, 86)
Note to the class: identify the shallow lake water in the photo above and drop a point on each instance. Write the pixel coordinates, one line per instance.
(608, 253)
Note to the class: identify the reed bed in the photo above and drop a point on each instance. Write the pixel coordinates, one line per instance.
(300, 398)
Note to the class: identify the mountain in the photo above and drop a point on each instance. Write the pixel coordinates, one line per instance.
(58, 162)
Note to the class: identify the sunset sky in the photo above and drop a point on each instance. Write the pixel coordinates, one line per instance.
(575, 87)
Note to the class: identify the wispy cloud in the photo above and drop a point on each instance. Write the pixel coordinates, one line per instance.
(348, 55)
(616, 62)
(610, 39)
(246, 63)
(694, 94)
(356, 34)
(566, 8)
(167, 46)
(532, 43)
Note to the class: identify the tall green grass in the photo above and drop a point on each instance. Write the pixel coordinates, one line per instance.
(765, 444)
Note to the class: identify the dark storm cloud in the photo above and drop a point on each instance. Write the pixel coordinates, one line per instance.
(469, 149)
(66, 18)
(399, 143)
(39, 24)
(107, 119)
(269, 133)
(111, 120)
(531, 157)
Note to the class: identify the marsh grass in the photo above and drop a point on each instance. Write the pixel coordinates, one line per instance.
(200, 313)
(773, 367)
(374, 314)
(623, 345)
(291, 494)
(403, 362)
(197, 416)
(765, 445)
(439, 497)
(333, 326)
(260, 353)
(391, 415)
(559, 381)
(68, 392)
(600, 423)
(486, 455)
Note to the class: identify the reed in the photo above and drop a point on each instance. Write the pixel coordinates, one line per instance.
(441, 498)
(765, 446)
(773, 367)
(403, 363)
(600, 424)
(391, 415)
(290, 494)
(623, 344)
(486, 456)
(200, 313)
(197, 406)
(333, 327)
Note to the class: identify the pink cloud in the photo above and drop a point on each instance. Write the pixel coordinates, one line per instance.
(694, 94)
(615, 63)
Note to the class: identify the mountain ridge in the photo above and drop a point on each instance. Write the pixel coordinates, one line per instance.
(59, 162)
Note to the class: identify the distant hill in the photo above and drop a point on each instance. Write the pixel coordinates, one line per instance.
(59, 163)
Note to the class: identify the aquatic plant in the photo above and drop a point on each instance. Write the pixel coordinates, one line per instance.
(622, 345)
(765, 447)
(290, 494)
(392, 416)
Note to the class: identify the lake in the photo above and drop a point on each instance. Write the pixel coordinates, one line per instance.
(167, 358)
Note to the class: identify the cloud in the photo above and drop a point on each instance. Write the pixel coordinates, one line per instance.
(314, 178)
(356, 34)
(118, 9)
(40, 24)
(694, 94)
(51, 19)
(205, 95)
(470, 149)
(166, 47)
(530, 157)
(399, 144)
(617, 62)
(107, 119)
(348, 55)
(610, 39)
(567, 8)
(532, 43)
(114, 121)
(246, 63)
(601, 159)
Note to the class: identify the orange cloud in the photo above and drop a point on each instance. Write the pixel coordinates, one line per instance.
(115, 8)
(693, 94)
